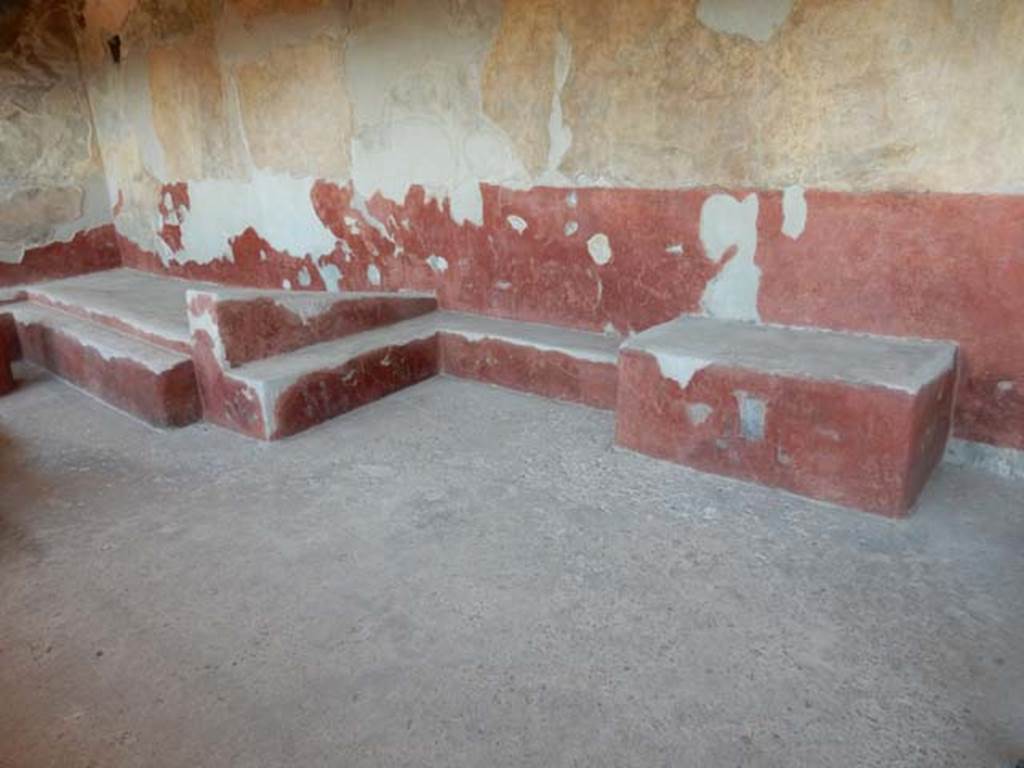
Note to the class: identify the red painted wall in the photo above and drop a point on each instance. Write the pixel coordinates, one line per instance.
(88, 251)
(939, 266)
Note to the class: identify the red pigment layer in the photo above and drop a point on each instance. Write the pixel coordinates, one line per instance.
(254, 329)
(325, 394)
(168, 399)
(88, 251)
(863, 447)
(546, 373)
(226, 402)
(936, 266)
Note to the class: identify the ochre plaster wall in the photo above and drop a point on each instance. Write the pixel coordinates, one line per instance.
(54, 208)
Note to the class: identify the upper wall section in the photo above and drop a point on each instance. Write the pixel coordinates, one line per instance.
(51, 178)
(852, 95)
(849, 95)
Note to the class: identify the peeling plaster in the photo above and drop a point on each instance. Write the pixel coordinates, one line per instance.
(698, 413)
(517, 223)
(679, 368)
(571, 228)
(730, 226)
(600, 249)
(92, 211)
(794, 212)
(438, 264)
(278, 204)
(331, 276)
(415, 119)
(373, 274)
(752, 415)
(559, 133)
(757, 21)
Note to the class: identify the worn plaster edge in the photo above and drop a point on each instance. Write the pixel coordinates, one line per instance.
(679, 368)
(203, 320)
(95, 213)
(580, 353)
(927, 374)
(270, 390)
(996, 460)
(154, 359)
(106, 316)
(682, 368)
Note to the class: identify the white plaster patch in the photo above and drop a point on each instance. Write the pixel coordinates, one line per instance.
(503, 285)
(373, 274)
(305, 279)
(727, 224)
(679, 368)
(794, 212)
(204, 322)
(559, 133)
(600, 249)
(331, 276)
(571, 228)
(1005, 386)
(572, 199)
(698, 413)
(518, 223)
(276, 205)
(756, 21)
(676, 249)
(438, 264)
(286, 284)
(752, 415)
(413, 79)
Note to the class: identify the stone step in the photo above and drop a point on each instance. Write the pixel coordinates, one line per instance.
(248, 325)
(851, 419)
(153, 383)
(147, 306)
(282, 395)
(559, 363)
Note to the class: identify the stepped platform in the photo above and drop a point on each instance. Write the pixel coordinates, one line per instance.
(146, 306)
(852, 419)
(148, 381)
(251, 325)
(282, 394)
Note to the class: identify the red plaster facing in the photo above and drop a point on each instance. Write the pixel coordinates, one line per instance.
(88, 251)
(863, 447)
(527, 369)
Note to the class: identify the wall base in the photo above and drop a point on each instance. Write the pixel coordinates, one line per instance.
(1005, 462)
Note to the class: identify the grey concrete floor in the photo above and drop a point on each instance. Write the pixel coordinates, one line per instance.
(464, 576)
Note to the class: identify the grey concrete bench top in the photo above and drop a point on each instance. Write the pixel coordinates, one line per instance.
(687, 344)
(583, 345)
(107, 342)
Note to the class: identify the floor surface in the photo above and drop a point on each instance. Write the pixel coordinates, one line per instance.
(464, 576)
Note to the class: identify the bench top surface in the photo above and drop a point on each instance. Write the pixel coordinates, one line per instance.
(689, 343)
(107, 342)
